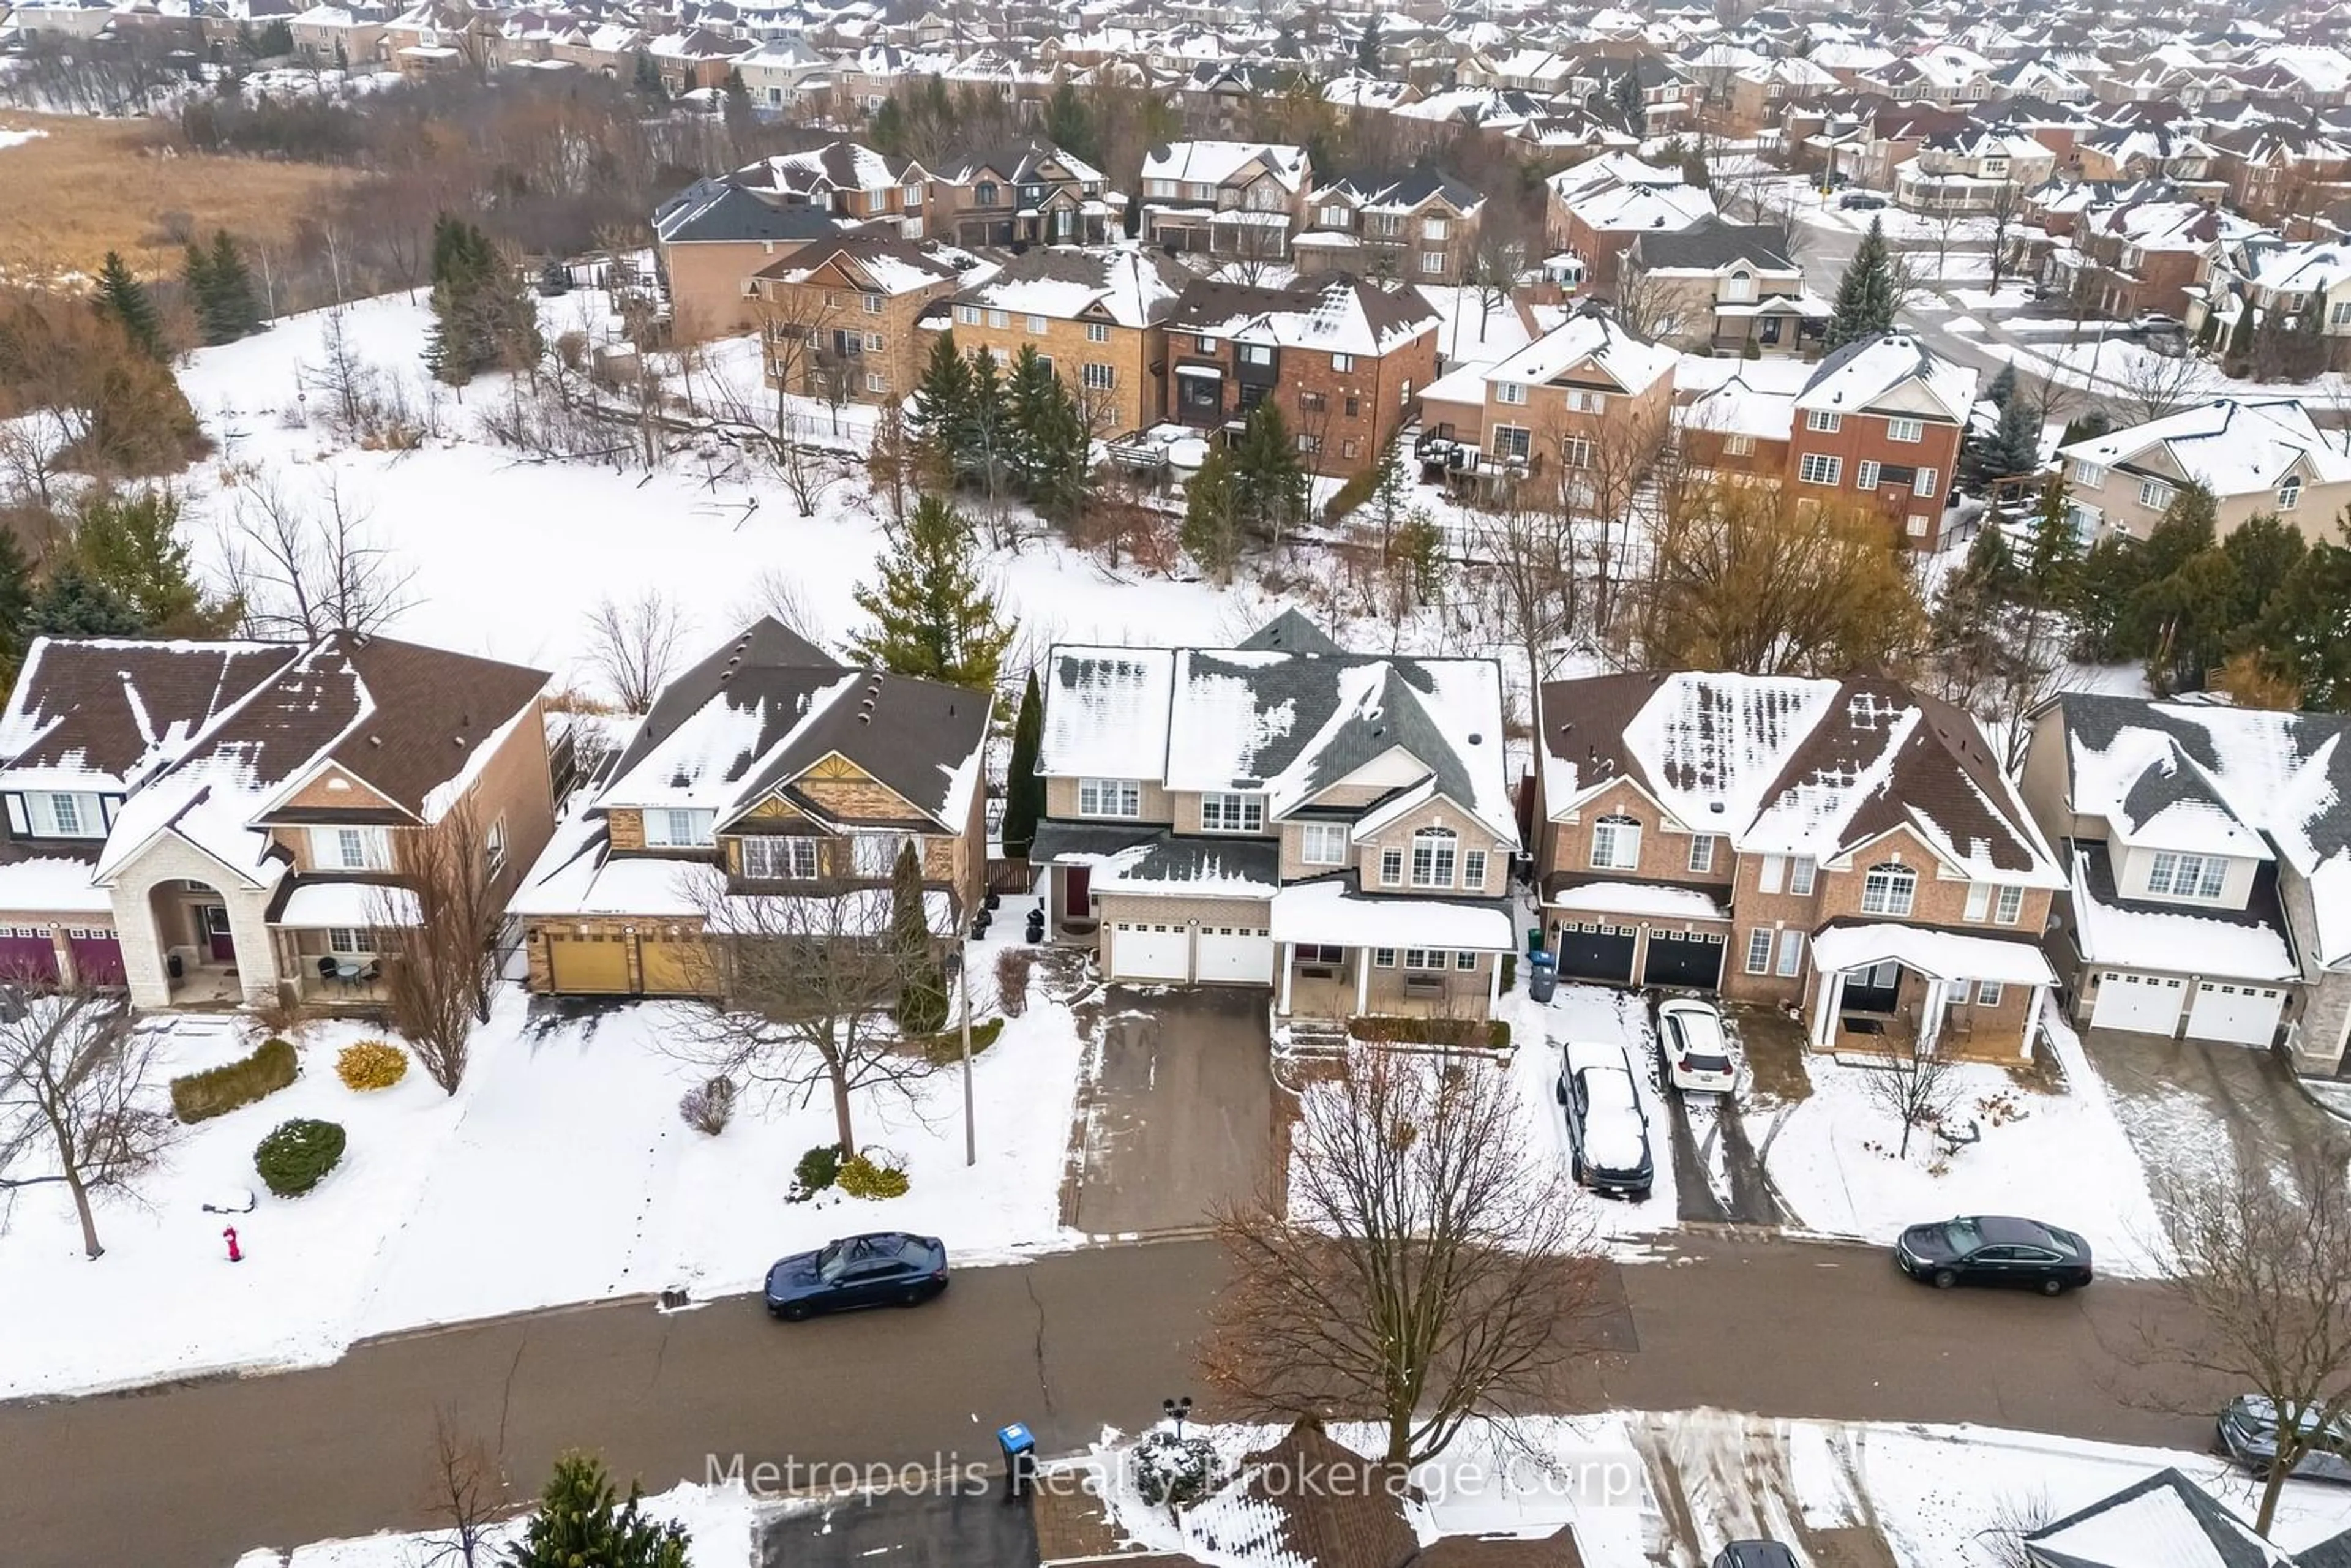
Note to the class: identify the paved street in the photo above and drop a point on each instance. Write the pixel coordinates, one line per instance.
(194, 1474)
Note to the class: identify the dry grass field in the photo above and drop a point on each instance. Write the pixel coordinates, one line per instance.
(87, 187)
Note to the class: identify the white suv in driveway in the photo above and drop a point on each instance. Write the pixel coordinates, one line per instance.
(1690, 1038)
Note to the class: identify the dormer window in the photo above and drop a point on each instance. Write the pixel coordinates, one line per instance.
(2173, 875)
(673, 829)
(352, 849)
(63, 814)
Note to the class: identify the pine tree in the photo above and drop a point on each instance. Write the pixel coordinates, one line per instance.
(123, 300)
(646, 78)
(739, 117)
(16, 599)
(1269, 484)
(235, 301)
(128, 546)
(2003, 391)
(1070, 125)
(582, 1523)
(1029, 397)
(72, 604)
(1367, 47)
(987, 430)
(2057, 553)
(1866, 297)
(923, 991)
(2011, 448)
(482, 315)
(1211, 528)
(554, 277)
(936, 426)
(933, 616)
(1024, 789)
(2239, 351)
(197, 281)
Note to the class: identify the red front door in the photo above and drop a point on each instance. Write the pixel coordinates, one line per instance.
(1077, 884)
(217, 941)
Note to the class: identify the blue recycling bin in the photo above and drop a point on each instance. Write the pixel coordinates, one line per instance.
(1543, 976)
(1019, 1448)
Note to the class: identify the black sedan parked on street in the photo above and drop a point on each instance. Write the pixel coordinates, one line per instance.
(889, 1268)
(1994, 1250)
(2249, 1435)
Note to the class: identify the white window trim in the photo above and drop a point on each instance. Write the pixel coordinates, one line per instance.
(1801, 872)
(1759, 950)
(2009, 908)
(1118, 797)
(1613, 832)
(1392, 867)
(1232, 812)
(1329, 834)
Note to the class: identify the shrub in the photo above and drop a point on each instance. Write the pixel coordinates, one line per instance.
(941, 1048)
(200, 1097)
(709, 1107)
(296, 1155)
(1509, 971)
(874, 1174)
(1461, 1034)
(371, 1064)
(1012, 967)
(1175, 1472)
(818, 1169)
(923, 1001)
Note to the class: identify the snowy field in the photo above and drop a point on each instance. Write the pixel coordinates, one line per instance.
(560, 1172)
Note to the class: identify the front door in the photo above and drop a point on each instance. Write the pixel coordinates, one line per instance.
(1872, 990)
(218, 944)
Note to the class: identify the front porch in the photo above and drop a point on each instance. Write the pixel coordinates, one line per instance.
(1338, 953)
(1903, 990)
(1352, 982)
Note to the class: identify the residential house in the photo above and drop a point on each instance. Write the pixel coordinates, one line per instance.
(716, 234)
(2169, 152)
(1971, 171)
(232, 821)
(1419, 228)
(785, 71)
(1734, 419)
(1096, 315)
(1587, 399)
(2208, 850)
(837, 317)
(2277, 167)
(1720, 287)
(1028, 193)
(1342, 360)
(2170, 1508)
(2254, 454)
(1880, 422)
(1761, 95)
(771, 789)
(2280, 282)
(693, 58)
(1848, 848)
(351, 34)
(1604, 77)
(1335, 827)
(1946, 75)
(1597, 209)
(1238, 199)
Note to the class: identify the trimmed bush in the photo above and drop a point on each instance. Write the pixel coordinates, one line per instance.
(818, 1169)
(708, 1109)
(942, 1049)
(1461, 1034)
(871, 1176)
(200, 1097)
(298, 1155)
(371, 1064)
(1175, 1472)
(1509, 971)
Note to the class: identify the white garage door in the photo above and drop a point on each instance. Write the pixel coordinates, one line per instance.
(1238, 955)
(1142, 951)
(2146, 1004)
(2243, 1015)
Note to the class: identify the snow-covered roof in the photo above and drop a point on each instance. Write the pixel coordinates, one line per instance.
(2164, 1522)
(1333, 314)
(1942, 955)
(320, 905)
(1215, 163)
(51, 884)
(1894, 372)
(1106, 713)
(2229, 445)
(1328, 911)
(2181, 940)
(1648, 898)
(1127, 287)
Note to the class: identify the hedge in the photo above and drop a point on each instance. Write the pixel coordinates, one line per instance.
(200, 1097)
(1388, 1029)
(296, 1155)
(942, 1049)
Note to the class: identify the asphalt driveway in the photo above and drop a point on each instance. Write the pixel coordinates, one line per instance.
(1178, 1114)
(2190, 1103)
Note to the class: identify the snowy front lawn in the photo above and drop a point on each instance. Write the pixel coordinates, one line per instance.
(719, 1522)
(560, 1172)
(2062, 1157)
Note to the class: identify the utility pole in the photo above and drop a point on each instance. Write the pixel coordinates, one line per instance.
(963, 996)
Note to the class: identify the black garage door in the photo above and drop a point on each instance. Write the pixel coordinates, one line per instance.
(1596, 952)
(1683, 958)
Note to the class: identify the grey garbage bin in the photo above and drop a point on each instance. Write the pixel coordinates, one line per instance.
(1543, 976)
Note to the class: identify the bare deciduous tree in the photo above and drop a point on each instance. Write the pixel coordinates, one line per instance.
(634, 646)
(1423, 1265)
(808, 470)
(2259, 1269)
(75, 1088)
(798, 990)
(302, 572)
(1527, 552)
(1912, 1082)
(439, 941)
(465, 1493)
(2151, 385)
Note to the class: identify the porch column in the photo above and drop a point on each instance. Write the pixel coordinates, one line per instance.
(1053, 901)
(1289, 954)
(2032, 1021)
(1363, 980)
(1832, 1001)
(1493, 981)
(1931, 1012)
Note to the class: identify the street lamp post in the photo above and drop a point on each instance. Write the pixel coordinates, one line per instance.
(1176, 1410)
(963, 989)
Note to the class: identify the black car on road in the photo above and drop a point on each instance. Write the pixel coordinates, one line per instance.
(889, 1268)
(1994, 1250)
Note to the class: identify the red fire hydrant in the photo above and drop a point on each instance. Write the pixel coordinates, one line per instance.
(235, 1254)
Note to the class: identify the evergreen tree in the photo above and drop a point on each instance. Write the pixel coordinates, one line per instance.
(2056, 552)
(933, 616)
(2012, 446)
(1211, 531)
(923, 991)
(886, 129)
(276, 40)
(554, 277)
(2238, 354)
(235, 303)
(123, 299)
(128, 546)
(1024, 789)
(1866, 297)
(2085, 426)
(482, 317)
(16, 600)
(1029, 397)
(582, 1523)
(1968, 629)
(1270, 485)
(738, 111)
(1625, 93)
(937, 426)
(2303, 632)
(646, 77)
(1367, 47)
(72, 604)
(1070, 125)
(196, 282)
(987, 433)
(2003, 391)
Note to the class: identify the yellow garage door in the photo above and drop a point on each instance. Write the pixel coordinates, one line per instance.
(675, 966)
(590, 964)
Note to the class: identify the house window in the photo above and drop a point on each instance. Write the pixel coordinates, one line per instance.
(1432, 857)
(1512, 443)
(875, 381)
(1342, 363)
(2187, 876)
(873, 304)
(1701, 852)
(1432, 228)
(1313, 403)
(1822, 422)
(1465, 959)
(1100, 377)
(1036, 326)
(1979, 901)
(1759, 951)
(985, 192)
(1923, 483)
(1231, 813)
(1204, 344)
(1616, 843)
(1574, 452)
(1110, 798)
(1816, 469)
(1768, 872)
(1309, 444)
(1334, 216)
(966, 315)
(346, 939)
(1473, 870)
(1354, 408)
(1905, 430)
(1424, 957)
(876, 854)
(875, 343)
(1391, 868)
(2154, 495)
(2339, 315)
(1384, 957)
(912, 195)
(494, 846)
(1432, 261)
(1889, 890)
(1801, 871)
(1097, 331)
(999, 319)
(1987, 993)
(1584, 402)
(1511, 392)
(769, 858)
(1322, 843)
(1257, 354)
(63, 815)
(1737, 446)
(2289, 493)
(2088, 475)
(1865, 478)
(1792, 953)
(370, 848)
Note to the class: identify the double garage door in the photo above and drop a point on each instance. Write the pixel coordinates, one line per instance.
(1175, 950)
(1603, 951)
(2152, 1004)
(28, 954)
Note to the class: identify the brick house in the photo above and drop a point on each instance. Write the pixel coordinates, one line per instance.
(1971, 171)
(2276, 167)
(1586, 398)
(1717, 287)
(1333, 826)
(353, 34)
(232, 821)
(2145, 254)
(1597, 209)
(715, 235)
(838, 317)
(1341, 359)
(2143, 151)
(1238, 199)
(1419, 228)
(769, 773)
(1029, 192)
(1880, 422)
(1734, 419)
(1849, 848)
(1761, 95)
(1099, 315)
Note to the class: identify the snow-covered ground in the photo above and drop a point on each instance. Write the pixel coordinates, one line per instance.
(1588, 1014)
(560, 1172)
(14, 138)
(719, 1521)
(1642, 1488)
(2063, 1157)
